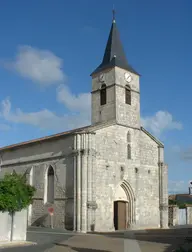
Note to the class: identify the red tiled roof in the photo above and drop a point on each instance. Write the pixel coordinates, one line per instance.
(65, 133)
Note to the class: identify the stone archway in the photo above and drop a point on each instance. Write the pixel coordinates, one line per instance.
(124, 206)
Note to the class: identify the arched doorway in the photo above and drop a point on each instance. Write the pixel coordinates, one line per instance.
(124, 206)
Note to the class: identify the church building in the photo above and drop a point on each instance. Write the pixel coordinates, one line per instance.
(107, 176)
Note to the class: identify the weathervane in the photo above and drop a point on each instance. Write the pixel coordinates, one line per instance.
(113, 13)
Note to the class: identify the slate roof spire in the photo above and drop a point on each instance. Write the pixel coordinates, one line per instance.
(114, 54)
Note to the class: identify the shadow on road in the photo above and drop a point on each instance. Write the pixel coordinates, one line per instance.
(174, 238)
(171, 238)
(80, 249)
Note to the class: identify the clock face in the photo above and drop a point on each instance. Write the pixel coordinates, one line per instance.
(128, 77)
(102, 77)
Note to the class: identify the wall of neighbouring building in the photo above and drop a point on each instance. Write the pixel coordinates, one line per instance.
(174, 213)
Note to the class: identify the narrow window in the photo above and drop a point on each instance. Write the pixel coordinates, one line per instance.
(127, 95)
(128, 151)
(103, 95)
(50, 185)
(31, 176)
(128, 137)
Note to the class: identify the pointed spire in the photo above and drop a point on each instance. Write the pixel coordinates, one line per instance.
(114, 54)
(113, 14)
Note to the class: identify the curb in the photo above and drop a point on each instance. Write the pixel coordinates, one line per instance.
(16, 244)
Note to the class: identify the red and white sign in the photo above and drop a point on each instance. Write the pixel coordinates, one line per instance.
(51, 210)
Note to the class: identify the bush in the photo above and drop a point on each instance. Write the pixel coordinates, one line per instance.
(15, 193)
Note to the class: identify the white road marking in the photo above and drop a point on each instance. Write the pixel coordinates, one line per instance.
(131, 244)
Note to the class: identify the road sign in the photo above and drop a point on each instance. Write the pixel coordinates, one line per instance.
(51, 210)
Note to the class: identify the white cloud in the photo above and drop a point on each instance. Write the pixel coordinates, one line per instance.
(44, 67)
(176, 187)
(80, 102)
(44, 119)
(41, 66)
(79, 107)
(160, 122)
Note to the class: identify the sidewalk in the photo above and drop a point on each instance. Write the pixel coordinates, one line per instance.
(15, 244)
(97, 243)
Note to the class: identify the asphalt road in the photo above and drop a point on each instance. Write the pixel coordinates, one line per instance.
(45, 239)
(173, 237)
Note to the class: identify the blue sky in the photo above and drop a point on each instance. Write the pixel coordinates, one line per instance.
(49, 48)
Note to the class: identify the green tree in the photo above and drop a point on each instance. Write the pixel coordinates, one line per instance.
(15, 193)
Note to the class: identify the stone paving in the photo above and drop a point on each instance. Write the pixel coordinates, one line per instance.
(50, 240)
(97, 243)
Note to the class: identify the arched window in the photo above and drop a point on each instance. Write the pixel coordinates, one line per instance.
(103, 95)
(50, 185)
(128, 151)
(128, 137)
(31, 176)
(127, 94)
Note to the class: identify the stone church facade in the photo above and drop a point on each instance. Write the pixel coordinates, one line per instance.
(107, 176)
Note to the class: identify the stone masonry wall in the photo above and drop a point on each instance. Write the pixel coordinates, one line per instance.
(148, 191)
(189, 214)
(111, 145)
(107, 112)
(127, 114)
(173, 215)
(39, 156)
(116, 109)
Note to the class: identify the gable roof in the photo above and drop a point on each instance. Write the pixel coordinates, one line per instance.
(89, 128)
(172, 197)
(184, 198)
(152, 137)
(46, 138)
(181, 198)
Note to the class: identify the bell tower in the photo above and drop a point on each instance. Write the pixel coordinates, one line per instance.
(115, 86)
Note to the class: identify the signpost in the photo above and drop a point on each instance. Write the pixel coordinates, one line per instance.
(51, 213)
